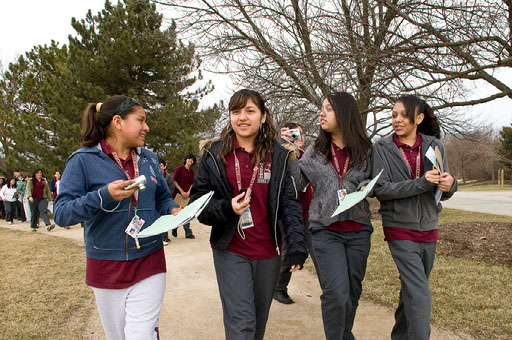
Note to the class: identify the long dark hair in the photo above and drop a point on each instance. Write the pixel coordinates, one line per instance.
(264, 142)
(413, 107)
(97, 117)
(9, 182)
(34, 174)
(351, 128)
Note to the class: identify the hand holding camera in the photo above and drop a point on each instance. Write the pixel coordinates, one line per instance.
(291, 134)
(122, 189)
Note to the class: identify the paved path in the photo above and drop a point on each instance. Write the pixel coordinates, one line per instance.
(491, 202)
(192, 308)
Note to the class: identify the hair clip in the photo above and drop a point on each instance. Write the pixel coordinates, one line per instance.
(98, 107)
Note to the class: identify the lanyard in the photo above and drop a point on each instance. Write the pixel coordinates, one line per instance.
(345, 167)
(418, 159)
(239, 176)
(135, 169)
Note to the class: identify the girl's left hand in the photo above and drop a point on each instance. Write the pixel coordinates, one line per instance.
(295, 267)
(445, 182)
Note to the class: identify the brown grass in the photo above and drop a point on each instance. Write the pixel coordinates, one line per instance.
(43, 291)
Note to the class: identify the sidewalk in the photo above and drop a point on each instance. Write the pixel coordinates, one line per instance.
(192, 308)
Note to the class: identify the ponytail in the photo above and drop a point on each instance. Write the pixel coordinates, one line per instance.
(413, 107)
(97, 117)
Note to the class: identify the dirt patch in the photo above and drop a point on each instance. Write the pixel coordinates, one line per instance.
(488, 241)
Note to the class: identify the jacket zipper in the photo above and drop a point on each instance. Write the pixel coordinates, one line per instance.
(126, 235)
(277, 205)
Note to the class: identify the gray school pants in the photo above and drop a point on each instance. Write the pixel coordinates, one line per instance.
(341, 259)
(246, 290)
(414, 262)
(39, 206)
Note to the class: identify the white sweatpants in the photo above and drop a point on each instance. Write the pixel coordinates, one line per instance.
(132, 313)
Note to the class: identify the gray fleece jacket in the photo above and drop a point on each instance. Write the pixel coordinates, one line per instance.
(404, 202)
(314, 168)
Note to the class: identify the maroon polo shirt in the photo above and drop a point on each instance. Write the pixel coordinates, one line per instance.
(184, 177)
(38, 189)
(110, 274)
(348, 225)
(395, 234)
(258, 243)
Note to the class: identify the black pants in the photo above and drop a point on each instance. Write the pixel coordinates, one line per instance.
(20, 212)
(285, 275)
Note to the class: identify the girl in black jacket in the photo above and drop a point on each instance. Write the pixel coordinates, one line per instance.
(247, 169)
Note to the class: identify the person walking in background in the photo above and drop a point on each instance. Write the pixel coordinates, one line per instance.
(54, 187)
(247, 171)
(2, 206)
(338, 163)
(295, 142)
(183, 178)
(20, 212)
(54, 184)
(126, 274)
(406, 191)
(39, 194)
(22, 190)
(9, 195)
(170, 184)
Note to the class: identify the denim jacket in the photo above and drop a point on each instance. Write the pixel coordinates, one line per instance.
(84, 197)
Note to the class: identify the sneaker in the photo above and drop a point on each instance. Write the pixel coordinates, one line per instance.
(68, 227)
(9, 222)
(166, 242)
(190, 236)
(33, 230)
(283, 297)
(50, 227)
(174, 233)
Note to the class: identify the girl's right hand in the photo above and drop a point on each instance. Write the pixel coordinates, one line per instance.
(116, 189)
(31, 200)
(285, 134)
(432, 176)
(240, 207)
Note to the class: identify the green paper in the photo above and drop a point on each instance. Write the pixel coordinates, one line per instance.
(352, 199)
(168, 222)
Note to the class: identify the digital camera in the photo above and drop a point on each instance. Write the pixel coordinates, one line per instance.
(139, 182)
(295, 134)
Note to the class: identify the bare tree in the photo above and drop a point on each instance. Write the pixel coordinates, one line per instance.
(297, 51)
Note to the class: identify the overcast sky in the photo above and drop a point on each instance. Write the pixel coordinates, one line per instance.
(26, 23)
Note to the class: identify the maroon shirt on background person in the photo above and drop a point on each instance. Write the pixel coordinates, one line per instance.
(184, 177)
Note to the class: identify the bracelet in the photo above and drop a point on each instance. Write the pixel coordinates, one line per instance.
(101, 204)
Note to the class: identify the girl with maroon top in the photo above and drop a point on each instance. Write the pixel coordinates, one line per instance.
(248, 171)
(337, 164)
(38, 194)
(409, 209)
(183, 178)
(127, 274)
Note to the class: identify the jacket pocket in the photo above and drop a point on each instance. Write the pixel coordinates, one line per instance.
(406, 210)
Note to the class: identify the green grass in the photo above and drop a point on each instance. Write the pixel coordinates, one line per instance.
(43, 295)
(476, 185)
(468, 296)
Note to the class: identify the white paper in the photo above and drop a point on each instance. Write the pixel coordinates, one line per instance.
(352, 199)
(168, 222)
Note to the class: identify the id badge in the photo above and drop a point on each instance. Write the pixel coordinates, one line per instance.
(134, 227)
(341, 195)
(246, 219)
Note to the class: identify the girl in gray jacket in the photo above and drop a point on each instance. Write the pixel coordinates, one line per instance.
(406, 191)
(338, 163)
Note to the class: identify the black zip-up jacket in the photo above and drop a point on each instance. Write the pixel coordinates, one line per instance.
(282, 203)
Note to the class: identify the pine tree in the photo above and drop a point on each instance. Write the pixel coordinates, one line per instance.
(124, 49)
